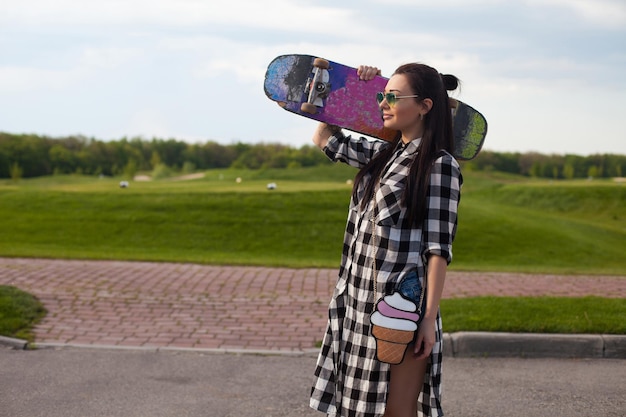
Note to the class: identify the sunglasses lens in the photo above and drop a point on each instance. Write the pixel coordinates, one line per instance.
(390, 97)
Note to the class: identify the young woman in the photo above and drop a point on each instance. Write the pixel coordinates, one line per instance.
(403, 216)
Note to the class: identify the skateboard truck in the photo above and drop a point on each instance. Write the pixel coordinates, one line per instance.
(317, 86)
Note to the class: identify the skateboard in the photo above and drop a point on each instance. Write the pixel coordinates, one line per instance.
(329, 92)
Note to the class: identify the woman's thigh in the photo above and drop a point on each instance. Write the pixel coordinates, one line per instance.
(405, 383)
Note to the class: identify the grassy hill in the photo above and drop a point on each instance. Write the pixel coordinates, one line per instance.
(507, 223)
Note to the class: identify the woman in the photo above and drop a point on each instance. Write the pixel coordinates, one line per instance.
(411, 189)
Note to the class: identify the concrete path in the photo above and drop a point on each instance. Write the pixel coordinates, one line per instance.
(137, 383)
(168, 305)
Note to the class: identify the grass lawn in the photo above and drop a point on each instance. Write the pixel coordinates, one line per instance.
(535, 314)
(506, 223)
(19, 312)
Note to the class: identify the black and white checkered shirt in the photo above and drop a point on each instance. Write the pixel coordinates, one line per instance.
(350, 381)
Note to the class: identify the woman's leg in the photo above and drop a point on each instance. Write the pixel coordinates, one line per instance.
(405, 383)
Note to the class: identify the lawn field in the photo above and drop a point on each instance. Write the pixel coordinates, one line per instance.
(506, 223)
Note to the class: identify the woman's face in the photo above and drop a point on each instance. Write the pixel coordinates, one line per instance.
(404, 114)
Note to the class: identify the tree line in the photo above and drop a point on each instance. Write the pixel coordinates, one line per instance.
(27, 155)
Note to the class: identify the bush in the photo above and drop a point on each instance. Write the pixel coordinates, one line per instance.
(161, 171)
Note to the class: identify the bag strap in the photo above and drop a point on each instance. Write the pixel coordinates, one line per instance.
(374, 245)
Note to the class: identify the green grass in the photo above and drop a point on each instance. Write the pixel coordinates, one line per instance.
(239, 228)
(567, 227)
(506, 223)
(19, 312)
(535, 314)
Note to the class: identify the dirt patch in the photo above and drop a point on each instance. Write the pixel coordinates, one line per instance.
(189, 177)
(195, 176)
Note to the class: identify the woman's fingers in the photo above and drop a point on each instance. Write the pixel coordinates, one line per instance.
(367, 73)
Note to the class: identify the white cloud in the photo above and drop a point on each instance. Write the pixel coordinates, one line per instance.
(15, 79)
(600, 12)
(194, 68)
(440, 4)
(107, 57)
(88, 63)
(611, 13)
(175, 13)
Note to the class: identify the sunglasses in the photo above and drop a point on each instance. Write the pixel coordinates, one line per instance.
(391, 98)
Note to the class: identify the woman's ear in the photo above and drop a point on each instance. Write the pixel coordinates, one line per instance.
(427, 104)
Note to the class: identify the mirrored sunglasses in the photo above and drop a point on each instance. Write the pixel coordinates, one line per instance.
(390, 98)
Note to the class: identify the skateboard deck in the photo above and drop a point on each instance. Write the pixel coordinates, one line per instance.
(329, 92)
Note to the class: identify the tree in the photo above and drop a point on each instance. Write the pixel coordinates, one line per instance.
(16, 172)
(41, 155)
(63, 160)
(155, 159)
(130, 170)
(592, 172)
(568, 171)
(188, 167)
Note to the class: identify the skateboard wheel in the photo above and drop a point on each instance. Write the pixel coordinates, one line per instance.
(321, 63)
(308, 108)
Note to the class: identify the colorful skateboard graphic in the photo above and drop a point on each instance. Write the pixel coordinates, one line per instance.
(333, 93)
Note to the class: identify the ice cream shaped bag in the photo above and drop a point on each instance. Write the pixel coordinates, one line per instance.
(395, 319)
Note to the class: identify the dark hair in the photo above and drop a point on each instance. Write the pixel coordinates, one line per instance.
(425, 82)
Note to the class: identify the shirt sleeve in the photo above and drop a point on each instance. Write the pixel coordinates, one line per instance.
(444, 194)
(354, 152)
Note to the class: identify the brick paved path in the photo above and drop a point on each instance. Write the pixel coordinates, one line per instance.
(219, 307)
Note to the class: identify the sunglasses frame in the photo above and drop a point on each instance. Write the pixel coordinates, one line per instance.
(391, 98)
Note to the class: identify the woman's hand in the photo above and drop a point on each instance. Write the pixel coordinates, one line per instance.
(425, 338)
(367, 73)
(323, 132)
(437, 267)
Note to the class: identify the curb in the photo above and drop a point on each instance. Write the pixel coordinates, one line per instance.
(208, 351)
(459, 344)
(13, 343)
(534, 345)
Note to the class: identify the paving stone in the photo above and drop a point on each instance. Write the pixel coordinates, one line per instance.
(204, 306)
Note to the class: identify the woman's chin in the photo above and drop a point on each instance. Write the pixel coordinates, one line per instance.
(389, 125)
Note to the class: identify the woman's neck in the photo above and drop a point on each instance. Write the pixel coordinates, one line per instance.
(412, 134)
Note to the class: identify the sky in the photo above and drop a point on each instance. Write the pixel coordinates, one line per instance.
(549, 75)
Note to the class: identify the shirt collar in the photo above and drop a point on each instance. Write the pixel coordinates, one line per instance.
(410, 147)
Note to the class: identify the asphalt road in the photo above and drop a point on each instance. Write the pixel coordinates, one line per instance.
(140, 383)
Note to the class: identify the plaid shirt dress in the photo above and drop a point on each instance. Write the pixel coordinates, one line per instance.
(349, 380)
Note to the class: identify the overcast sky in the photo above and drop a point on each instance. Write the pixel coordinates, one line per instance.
(549, 75)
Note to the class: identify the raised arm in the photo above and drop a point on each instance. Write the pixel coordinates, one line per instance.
(323, 132)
